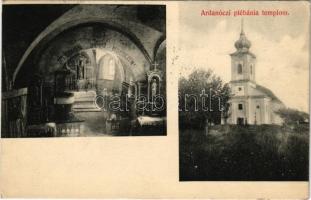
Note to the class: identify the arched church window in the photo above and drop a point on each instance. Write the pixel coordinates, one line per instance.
(251, 69)
(239, 68)
(112, 67)
(106, 68)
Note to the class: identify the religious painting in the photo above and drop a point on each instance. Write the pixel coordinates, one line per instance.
(85, 72)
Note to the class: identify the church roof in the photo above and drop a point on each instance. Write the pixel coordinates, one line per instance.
(241, 53)
(268, 93)
(242, 45)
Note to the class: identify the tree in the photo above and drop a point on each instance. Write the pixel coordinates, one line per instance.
(202, 97)
(293, 116)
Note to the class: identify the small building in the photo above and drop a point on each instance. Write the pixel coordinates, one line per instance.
(250, 103)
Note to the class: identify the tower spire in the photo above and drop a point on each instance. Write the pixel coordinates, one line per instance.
(243, 43)
(242, 26)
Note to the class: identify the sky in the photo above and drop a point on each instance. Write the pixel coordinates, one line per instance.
(281, 45)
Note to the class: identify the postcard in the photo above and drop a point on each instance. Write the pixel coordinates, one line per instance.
(155, 99)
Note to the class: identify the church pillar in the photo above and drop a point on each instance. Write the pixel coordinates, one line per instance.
(139, 89)
(148, 90)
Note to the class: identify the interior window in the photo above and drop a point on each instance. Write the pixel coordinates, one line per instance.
(111, 67)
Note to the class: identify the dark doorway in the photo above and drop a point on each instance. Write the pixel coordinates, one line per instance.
(240, 121)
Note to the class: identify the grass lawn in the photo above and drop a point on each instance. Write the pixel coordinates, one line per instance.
(236, 153)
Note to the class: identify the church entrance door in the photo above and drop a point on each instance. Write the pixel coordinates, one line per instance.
(240, 121)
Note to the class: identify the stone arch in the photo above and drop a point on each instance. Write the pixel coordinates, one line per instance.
(160, 56)
(154, 76)
(160, 45)
(137, 77)
(120, 25)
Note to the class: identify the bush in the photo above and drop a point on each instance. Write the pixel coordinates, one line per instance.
(254, 153)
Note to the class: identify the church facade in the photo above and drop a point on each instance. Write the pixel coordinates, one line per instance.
(250, 102)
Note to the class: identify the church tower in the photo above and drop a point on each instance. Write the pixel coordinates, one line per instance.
(250, 103)
(243, 61)
(242, 80)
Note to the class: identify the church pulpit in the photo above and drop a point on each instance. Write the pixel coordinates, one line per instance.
(66, 123)
(64, 80)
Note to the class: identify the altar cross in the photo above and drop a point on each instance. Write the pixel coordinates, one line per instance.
(155, 64)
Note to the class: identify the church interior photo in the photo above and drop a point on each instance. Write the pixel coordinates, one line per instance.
(83, 70)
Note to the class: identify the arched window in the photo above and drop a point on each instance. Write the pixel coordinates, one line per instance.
(106, 68)
(239, 68)
(112, 67)
(251, 69)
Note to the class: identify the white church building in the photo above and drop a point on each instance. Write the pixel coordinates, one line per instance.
(250, 103)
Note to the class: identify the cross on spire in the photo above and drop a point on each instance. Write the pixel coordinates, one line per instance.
(242, 26)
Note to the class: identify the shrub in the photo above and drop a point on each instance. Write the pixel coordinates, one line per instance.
(260, 153)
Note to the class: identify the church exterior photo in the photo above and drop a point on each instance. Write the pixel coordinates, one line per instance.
(241, 130)
(250, 102)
